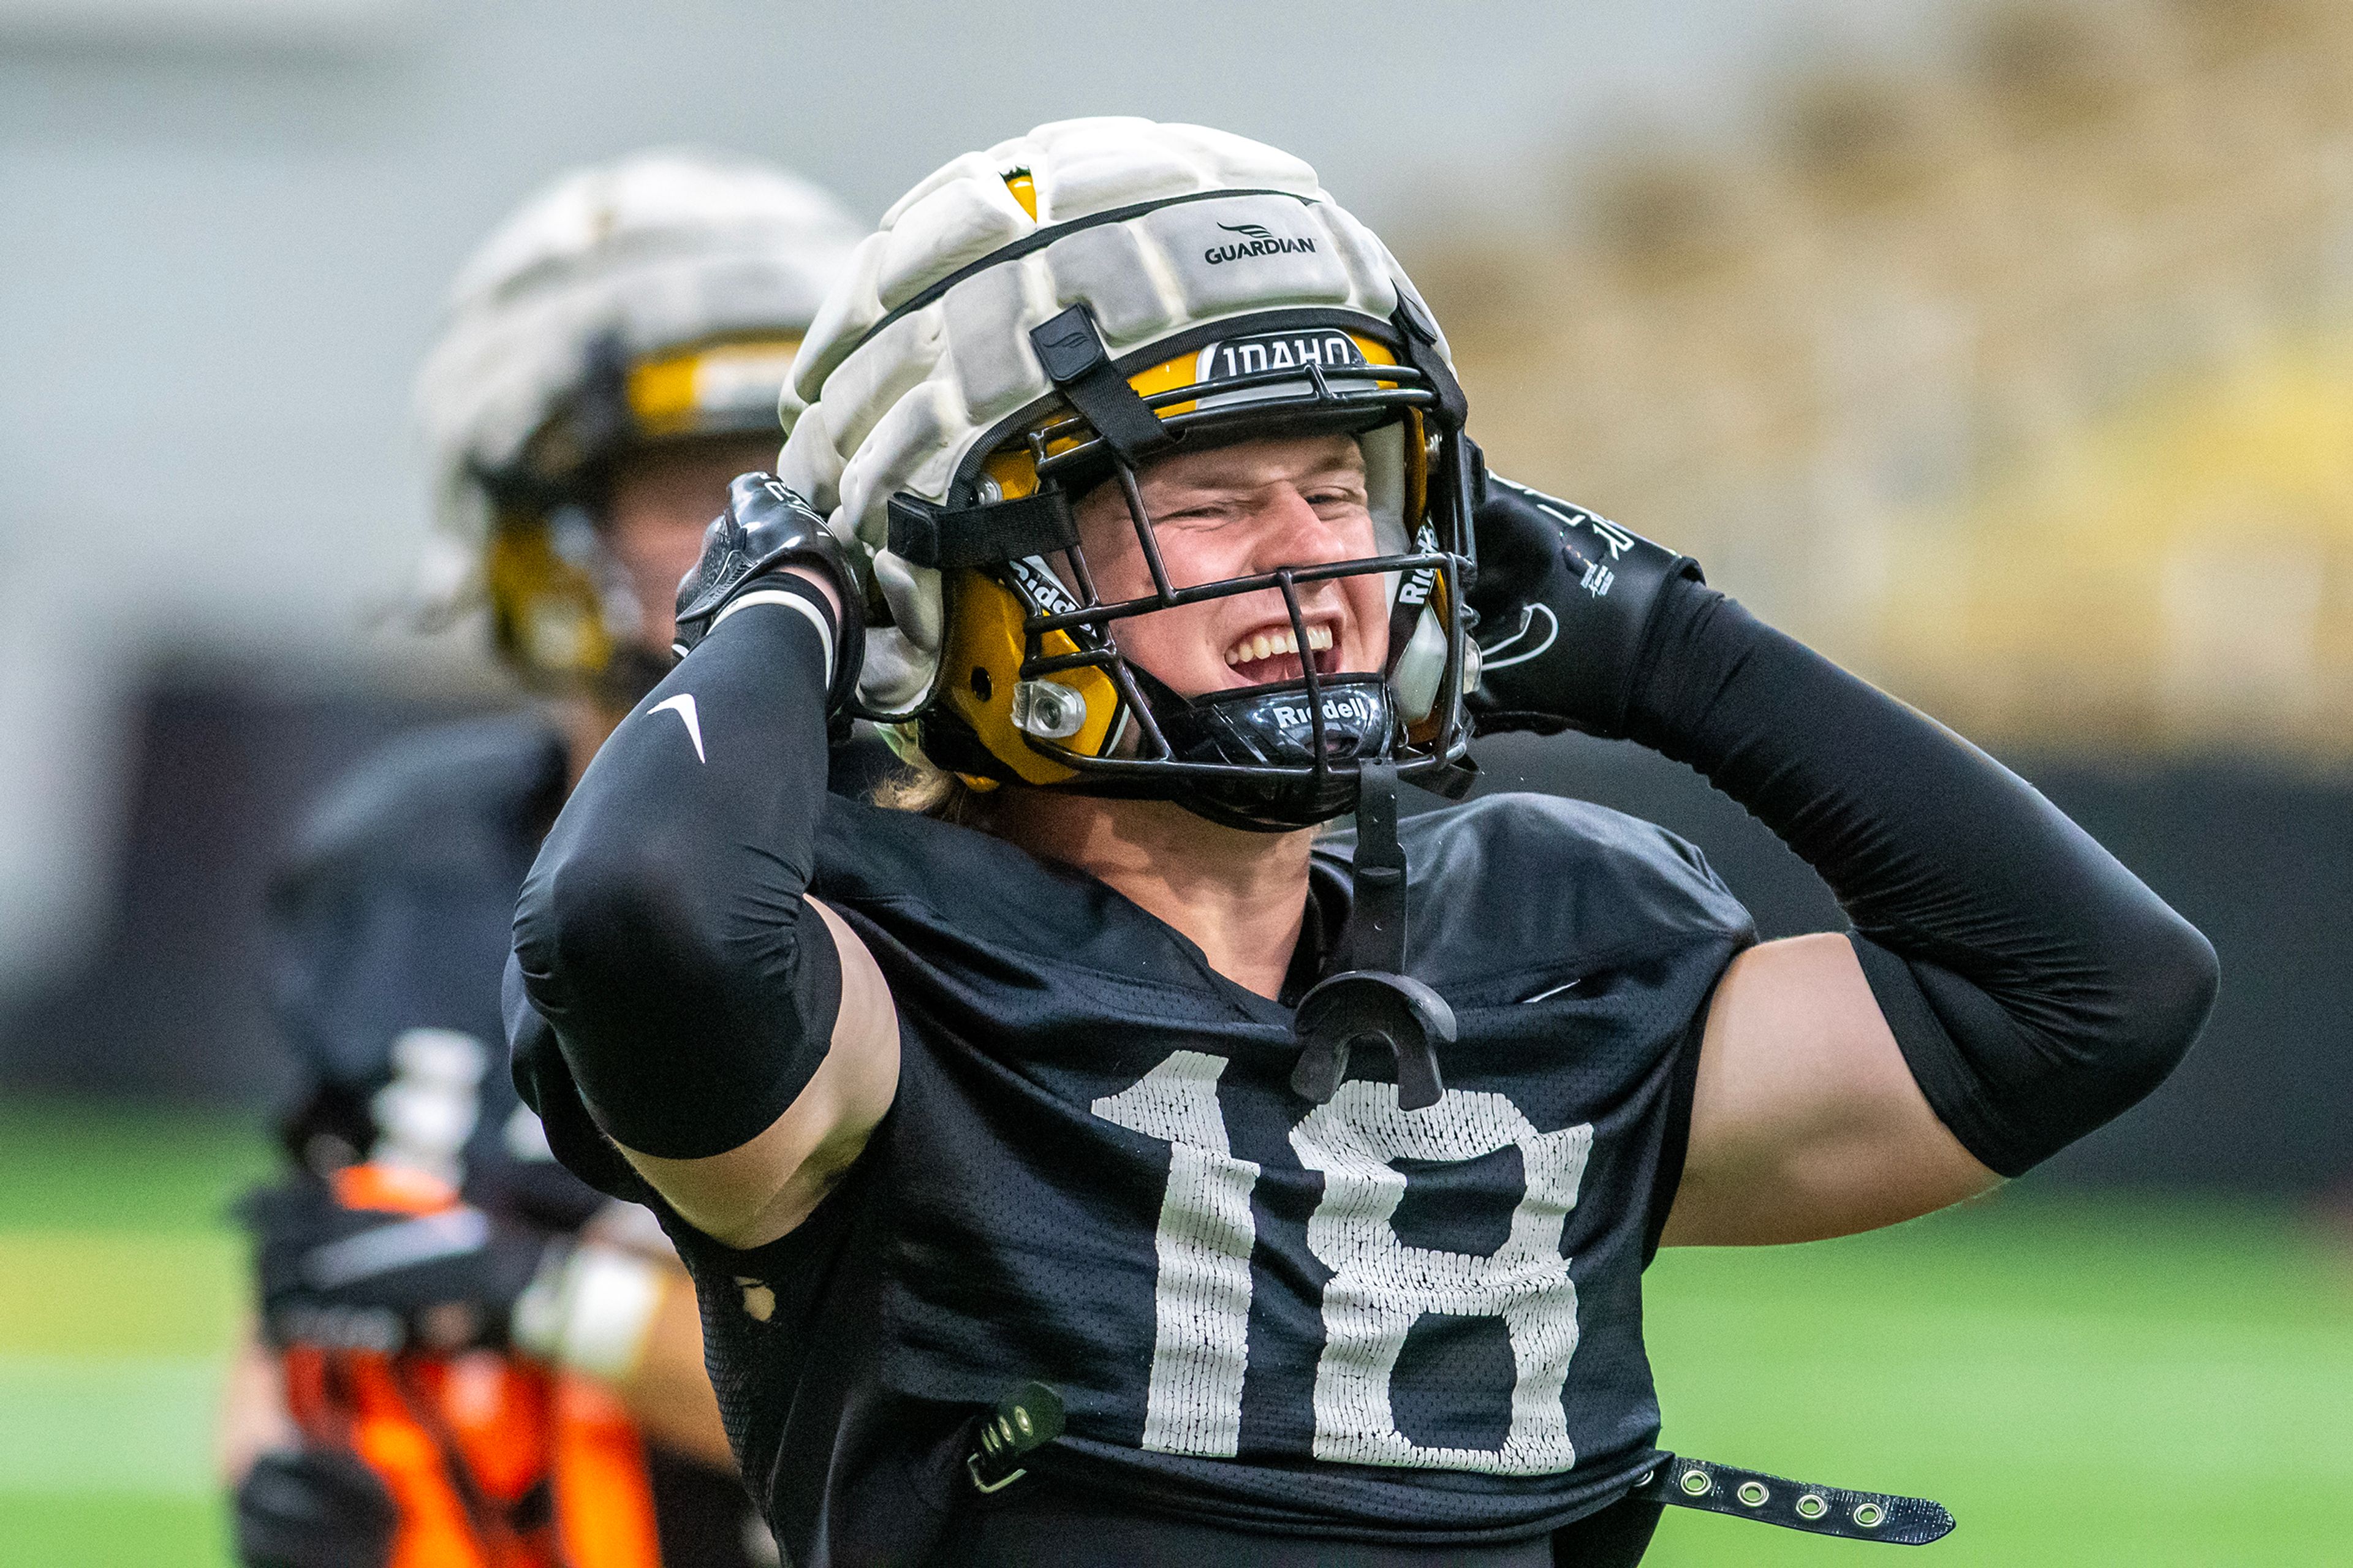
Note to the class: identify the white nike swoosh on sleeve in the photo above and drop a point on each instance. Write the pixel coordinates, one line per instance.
(683, 706)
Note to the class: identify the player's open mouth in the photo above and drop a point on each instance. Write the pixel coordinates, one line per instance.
(1271, 654)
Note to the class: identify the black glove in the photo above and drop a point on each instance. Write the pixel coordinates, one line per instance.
(354, 1278)
(765, 529)
(1564, 600)
(313, 1507)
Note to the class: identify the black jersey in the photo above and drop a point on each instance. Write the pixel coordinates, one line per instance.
(1344, 1320)
(390, 925)
(389, 928)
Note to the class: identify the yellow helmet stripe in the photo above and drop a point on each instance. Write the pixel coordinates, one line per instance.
(670, 394)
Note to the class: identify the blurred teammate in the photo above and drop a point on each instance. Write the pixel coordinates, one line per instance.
(467, 1356)
(1101, 1169)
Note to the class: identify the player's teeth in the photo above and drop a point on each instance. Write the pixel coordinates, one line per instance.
(1267, 645)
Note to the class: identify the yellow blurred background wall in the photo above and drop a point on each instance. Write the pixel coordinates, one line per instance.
(2018, 375)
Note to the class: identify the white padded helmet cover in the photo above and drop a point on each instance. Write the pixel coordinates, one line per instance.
(661, 249)
(898, 410)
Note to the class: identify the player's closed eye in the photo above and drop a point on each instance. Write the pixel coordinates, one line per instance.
(1213, 514)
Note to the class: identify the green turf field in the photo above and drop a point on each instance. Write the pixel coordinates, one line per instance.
(120, 1290)
(2145, 1383)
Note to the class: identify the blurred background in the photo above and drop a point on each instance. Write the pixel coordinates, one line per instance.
(2002, 350)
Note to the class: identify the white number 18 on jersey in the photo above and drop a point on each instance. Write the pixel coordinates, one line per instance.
(1379, 1284)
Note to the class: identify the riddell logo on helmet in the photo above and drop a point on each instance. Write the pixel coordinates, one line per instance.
(1417, 587)
(1046, 595)
(1257, 239)
(1344, 707)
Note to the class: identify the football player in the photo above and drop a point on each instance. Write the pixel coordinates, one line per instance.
(1100, 1166)
(466, 1356)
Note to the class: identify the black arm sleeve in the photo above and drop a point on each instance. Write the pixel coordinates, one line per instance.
(662, 932)
(2036, 987)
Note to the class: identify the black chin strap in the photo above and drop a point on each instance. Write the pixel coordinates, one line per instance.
(1374, 1001)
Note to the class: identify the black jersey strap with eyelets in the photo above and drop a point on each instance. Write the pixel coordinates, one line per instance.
(1071, 353)
(1024, 1421)
(1794, 1505)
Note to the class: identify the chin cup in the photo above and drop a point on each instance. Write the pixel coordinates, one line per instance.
(1372, 1007)
(1342, 719)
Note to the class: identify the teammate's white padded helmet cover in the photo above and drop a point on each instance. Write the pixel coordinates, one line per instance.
(656, 249)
